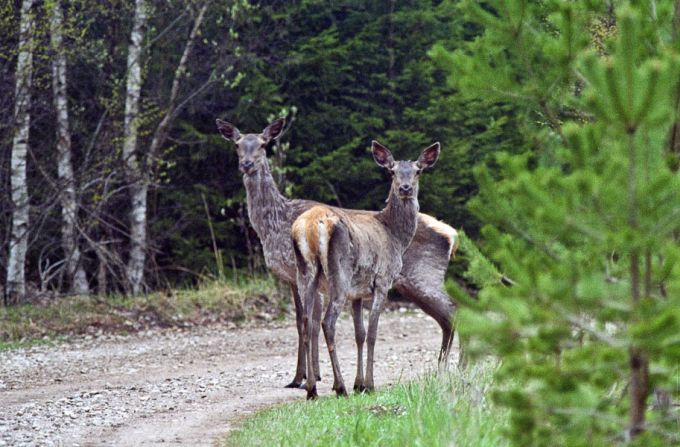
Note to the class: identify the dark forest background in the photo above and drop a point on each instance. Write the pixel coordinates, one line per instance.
(343, 73)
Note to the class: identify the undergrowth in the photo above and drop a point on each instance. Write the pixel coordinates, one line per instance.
(223, 300)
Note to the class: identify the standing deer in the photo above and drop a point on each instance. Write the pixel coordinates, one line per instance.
(271, 214)
(357, 256)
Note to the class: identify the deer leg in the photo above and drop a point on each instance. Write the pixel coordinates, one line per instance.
(338, 286)
(332, 312)
(301, 364)
(437, 304)
(310, 296)
(422, 281)
(373, 316)
(316, 327)
(359, 337)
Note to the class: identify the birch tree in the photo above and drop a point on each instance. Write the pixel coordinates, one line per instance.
(67, 193)
(140, 177)
(137, 256)
(16, 281)
(174, 106)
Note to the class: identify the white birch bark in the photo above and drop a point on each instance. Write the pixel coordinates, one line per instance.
(16, 282)
(67, 196)
(141, 190)
(137, 257)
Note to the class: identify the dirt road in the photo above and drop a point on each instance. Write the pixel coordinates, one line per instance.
(182, 387)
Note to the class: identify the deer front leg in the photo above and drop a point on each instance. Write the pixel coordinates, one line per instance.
(376, 309)
(301, 364)
(359, 337)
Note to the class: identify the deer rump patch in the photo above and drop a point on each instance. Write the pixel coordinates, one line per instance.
(444, 230)
(312, 232)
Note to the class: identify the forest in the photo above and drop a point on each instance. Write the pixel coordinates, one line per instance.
(560, 134)
(341, 73)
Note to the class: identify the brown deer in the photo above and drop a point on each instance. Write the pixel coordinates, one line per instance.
(271, 214)
(357, 256)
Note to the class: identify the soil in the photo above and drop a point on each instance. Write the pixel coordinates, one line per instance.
(182, 386)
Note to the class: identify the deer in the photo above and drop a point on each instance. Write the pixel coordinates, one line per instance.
(272, 215)
(356, 256)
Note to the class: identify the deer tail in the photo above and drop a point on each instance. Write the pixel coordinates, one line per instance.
(312, 232)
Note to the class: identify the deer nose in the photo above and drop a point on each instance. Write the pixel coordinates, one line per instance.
(406, 190)
(247, 165)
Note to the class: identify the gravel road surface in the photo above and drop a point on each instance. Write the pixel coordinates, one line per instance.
(181, 386)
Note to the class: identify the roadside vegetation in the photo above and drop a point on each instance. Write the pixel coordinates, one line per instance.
(236, 300)
(444, 409)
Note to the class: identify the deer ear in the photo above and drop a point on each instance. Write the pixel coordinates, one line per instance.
(382, 155)
(274, 129)
(228, 130)
(429, 156)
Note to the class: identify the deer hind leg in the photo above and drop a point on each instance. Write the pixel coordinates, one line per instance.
(335, 305)
(316, 328)
(336, 273)
(310, 319)
(373, 317)
(422, 281)
(308, 272)
(360, 338)
(437, 304)
(300, 370)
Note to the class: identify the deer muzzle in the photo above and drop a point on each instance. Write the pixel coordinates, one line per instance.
(406, 191)
(246, 166)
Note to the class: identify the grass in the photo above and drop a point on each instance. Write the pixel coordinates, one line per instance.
(450, 409)
(225, 300)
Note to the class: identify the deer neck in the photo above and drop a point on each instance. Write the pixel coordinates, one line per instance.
(266, 205)
(401, 218)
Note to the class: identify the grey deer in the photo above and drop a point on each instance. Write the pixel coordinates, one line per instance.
(271, 214)
(349, 255)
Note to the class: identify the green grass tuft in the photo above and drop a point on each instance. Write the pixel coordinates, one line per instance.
(438, 410)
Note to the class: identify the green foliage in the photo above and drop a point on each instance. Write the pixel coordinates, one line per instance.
(353, 71)
(363, 73)
(433, 411)
(585, 224)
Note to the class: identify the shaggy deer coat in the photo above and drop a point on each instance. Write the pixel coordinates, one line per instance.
(271, 214)
(357, 256)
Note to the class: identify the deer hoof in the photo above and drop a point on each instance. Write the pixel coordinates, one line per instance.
(312, 394)
(295, 384)
(341, 391)
(358, 389)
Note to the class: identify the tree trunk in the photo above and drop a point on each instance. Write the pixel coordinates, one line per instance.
(137, 256)
(171, 111)
(67, 194)
(637, 360)
(16, 282)
(639, 390)
(674, 142)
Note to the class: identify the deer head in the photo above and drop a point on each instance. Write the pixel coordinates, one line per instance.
(251, 147)
(405, 174)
